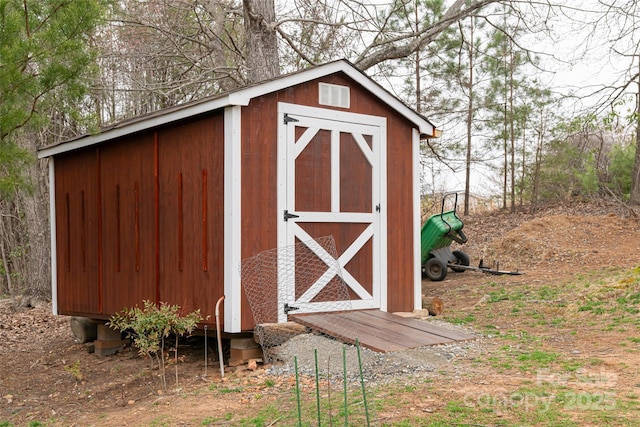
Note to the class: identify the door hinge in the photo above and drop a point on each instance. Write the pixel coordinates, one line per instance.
(378, 207)
(288, 215)
(288, 308)
(288, 119)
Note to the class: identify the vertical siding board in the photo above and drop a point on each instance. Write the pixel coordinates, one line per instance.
(137, 224)
(400, 218)
(100, 241)
(205, 233)
(127, 200)
(83, 231)
(190, 214)
(259, 185)
(156, 217)
(76, 234)
(180, 225)
(67, 205)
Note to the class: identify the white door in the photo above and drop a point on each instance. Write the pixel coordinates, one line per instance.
(332, 182)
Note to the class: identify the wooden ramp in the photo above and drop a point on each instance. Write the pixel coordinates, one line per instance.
(379, 331)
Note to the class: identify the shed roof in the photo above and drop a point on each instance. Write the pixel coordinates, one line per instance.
(241, 97)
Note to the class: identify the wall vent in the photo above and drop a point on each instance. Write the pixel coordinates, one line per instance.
(334, 95)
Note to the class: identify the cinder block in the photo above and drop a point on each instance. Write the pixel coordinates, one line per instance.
(246, 354)
(108, 348)
(243, 343)
(105, 333)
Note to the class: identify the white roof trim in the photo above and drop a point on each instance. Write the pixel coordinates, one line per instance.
(137, 126)
(242, 97)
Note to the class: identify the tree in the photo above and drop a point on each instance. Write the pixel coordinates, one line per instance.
(395, 45)
(615, 29)
(261, 53)
(635, 173)
(45, 59)
(506, 63)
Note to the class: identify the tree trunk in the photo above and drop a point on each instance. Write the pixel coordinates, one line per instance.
(512, 135)
(36, 216)
(7, 286)
(467, 184)
(434, 305)
(261, 51)
(635, 177)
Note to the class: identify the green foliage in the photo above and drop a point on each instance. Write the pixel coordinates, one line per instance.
(74, 369)
(588, 176)
(44, 46)
(621, 162)
(45, 62)
(567, 170)
(13, 160)
(151, 325)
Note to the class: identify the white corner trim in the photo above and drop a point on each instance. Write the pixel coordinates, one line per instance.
(417, 225)
(384, 237)
(52, 228)
(281, 174)
(232, 219)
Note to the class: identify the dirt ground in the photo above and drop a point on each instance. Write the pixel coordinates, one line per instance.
(47, 379)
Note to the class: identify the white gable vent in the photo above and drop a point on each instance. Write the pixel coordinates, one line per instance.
(334, 95)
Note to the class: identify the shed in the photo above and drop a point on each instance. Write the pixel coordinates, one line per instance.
(165, 206)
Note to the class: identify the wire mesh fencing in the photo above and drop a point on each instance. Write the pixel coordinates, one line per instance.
(305, 277)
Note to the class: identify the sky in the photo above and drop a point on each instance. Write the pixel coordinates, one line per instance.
(580, 59)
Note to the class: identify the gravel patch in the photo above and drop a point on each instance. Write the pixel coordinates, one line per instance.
(334, 357)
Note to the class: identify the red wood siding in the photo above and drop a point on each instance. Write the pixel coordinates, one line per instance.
(355, 177)
(400, 238)
(76, 196)
(128, 236)
(400, 260)
(259, 196)
(142, 218)
(313, 175)
(259, 186)
(151, 208)
(191, 214)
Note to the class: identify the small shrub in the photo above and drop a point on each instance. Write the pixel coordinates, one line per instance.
(151, 325)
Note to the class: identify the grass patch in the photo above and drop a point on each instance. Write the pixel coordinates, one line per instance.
(503, 295)
(461, 320)
(542, 357)
(267, 416)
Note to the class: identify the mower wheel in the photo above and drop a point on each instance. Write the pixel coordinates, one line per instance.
(461, 259)
(435, 269)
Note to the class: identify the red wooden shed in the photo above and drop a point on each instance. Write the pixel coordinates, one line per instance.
(164, 207)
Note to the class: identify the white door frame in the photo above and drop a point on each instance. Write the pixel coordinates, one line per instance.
(357, 124)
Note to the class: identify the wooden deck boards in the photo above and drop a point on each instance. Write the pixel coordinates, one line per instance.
(379, 331)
